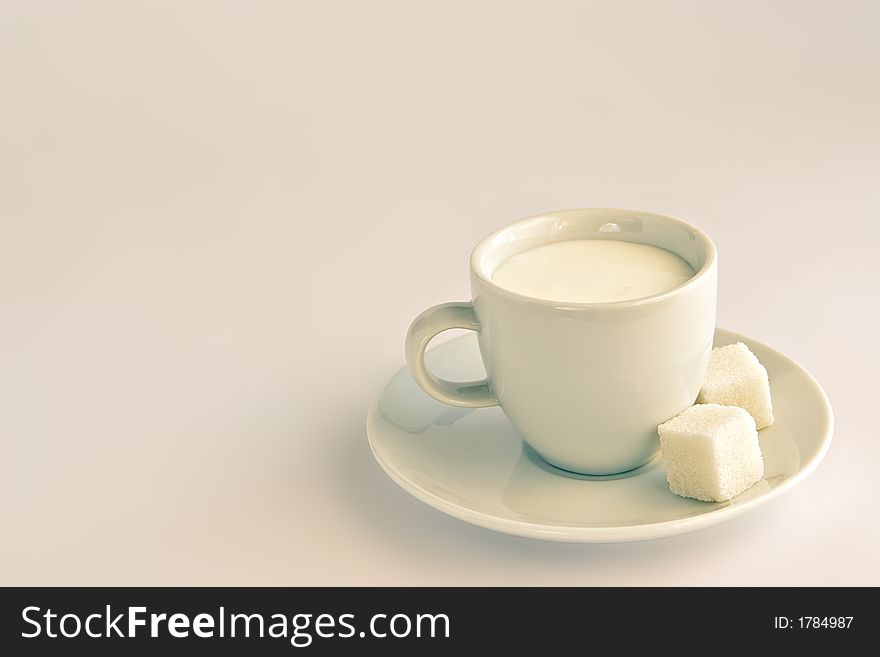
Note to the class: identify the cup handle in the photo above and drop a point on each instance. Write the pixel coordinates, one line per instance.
(468, 394)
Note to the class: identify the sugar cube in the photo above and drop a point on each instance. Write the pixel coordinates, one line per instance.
(711, 452)
(735, 377)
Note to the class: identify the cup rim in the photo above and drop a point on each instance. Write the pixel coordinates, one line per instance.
(486, 243)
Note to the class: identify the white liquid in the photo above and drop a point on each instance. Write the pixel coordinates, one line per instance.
(592, 271)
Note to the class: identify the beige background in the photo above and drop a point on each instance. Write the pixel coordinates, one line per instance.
(218, 218)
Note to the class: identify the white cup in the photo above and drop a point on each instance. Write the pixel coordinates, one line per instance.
(585, 384)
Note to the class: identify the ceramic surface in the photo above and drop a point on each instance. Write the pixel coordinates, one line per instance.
(472, 464)
(619, 368)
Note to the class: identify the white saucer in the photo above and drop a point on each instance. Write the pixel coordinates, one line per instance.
(472, 464)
